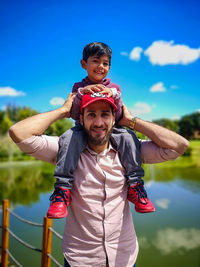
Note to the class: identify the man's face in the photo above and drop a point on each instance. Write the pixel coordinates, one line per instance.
(98, 121)
(97, 67)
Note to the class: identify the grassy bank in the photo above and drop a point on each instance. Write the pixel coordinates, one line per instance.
(185, 161)
(195, 146)
(9, 151)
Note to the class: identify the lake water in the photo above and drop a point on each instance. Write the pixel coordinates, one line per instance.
(170, 237)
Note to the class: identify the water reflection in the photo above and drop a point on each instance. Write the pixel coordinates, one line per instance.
(177, 240)
(23, 182)
(171, 240)
(189, 176)
(163, 203)
(170, 237)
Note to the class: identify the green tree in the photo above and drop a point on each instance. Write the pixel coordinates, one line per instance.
(169, 124)
(5, 124)
(59, 127)
(2, 114)
(140, 136)
(12, 111)
(189, 124)
(25, 112)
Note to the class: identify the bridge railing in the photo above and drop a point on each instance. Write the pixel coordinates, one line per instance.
(46, 256)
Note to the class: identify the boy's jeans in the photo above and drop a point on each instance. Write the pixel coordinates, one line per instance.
(73, 142)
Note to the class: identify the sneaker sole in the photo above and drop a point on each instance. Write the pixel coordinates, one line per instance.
(145, 211)
(56, 217)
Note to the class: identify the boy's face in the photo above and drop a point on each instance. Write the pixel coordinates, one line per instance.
(97, 67)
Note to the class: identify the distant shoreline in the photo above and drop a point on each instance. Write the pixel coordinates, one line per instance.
(20, 163)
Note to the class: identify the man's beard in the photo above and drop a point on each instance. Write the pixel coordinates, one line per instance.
(98, 140)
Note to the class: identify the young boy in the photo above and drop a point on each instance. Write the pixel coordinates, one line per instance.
(97, 61)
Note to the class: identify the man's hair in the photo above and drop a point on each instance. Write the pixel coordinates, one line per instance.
(98, 49)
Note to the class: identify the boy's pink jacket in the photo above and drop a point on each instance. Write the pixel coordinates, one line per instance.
(75, 110)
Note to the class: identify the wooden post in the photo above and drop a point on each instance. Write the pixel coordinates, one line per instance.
(5, 233)
(46, 242)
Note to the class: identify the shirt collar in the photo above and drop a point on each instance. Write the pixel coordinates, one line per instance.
(103, 153)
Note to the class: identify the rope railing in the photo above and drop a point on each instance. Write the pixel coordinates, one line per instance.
(46, 241)
(24, 220)
(55, 233)
(23, 242)
(13, 258)
(54, 260)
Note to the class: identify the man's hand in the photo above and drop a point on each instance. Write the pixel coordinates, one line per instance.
(36, 125)
(127, 118)
(161, 136)
(68, 104)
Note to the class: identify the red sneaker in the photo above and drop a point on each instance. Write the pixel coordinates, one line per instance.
(60, 199)
(138, 196)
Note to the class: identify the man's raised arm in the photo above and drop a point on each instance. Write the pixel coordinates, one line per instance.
(162, 137)
(36, 125)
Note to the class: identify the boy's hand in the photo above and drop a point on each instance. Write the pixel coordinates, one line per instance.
(96, 88)
(107, 91)
(93, 88)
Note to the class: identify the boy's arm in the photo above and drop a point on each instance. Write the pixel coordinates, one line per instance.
(75, 110)
(113, 90)
(116, 94)
(80, 91)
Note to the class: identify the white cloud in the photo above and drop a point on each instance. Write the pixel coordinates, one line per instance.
(167, 53)
(198, 110)
(143, 242)
(158, 87)
(149, 184)
(171, 240)
(9, 91)
(123, 53)
(140, 108)
(173, 86)
(136, 53)
(163, 203)
(175, 117)
(57, 101)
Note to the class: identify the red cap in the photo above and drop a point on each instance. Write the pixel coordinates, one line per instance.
(88, 99)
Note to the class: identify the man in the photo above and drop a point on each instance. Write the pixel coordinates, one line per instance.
(99, 228)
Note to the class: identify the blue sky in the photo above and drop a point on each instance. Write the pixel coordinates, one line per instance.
(155, 44)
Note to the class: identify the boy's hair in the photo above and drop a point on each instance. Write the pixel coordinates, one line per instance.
(98, 49)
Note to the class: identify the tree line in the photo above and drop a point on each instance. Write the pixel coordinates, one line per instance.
(187, 126)
(13, 114)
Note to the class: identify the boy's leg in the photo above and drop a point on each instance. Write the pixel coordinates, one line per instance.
(128, 147)
(71, 145)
